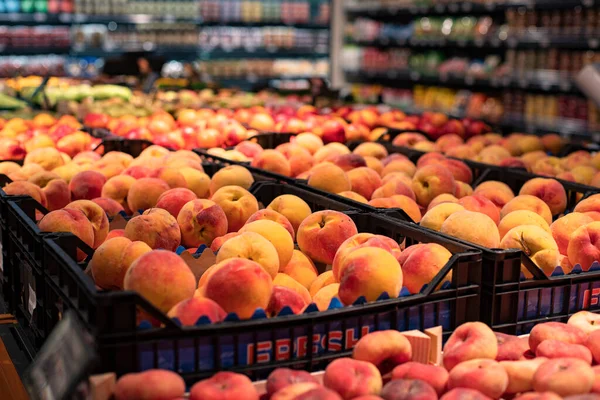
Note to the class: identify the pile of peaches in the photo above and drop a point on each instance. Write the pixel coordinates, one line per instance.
(18, 136)
(556, 361)
(256, 265)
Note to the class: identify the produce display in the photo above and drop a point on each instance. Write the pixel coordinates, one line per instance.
(557, 360)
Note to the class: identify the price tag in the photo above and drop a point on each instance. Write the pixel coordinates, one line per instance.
(62, 363)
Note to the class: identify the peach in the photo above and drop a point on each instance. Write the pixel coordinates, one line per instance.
(86, 185)
(404, 166)
(299, 391)
(239, 286)
(394, 157)
(162, 277)
(330, 151)
(292, 207)
(584, 245)
(359, 241)
(473, 227)
(349, 162)
(200, 222)
(435, 376)
(287, 281)
(323, 280)
(277, 235)
(557, 331)
(521, 217)
(484, 375)
(520, 374)
(384, 349)
(8, 167)
(321, 234)
(24, 188)
(173, 200)
(547, 166)
(548, 190)
(583, 174)
(407, 204)
(593, 344)
(329, 178)
(511, 348)
(423, 264)
(369, 272)
(117, 157)
(189, 311)
(97, 217)
(138, 171)
(370, 149)
(232, 175)
(106, 261)
(563, 228)
(300, 159)
(171, 176)
(493, 155)
(553, 142)
(585, 320)
(495, 186)
(197, 181)
(394, 187)
(129, 254)
(285, 297)
(435, 217)
(564, 376)
(531, 239)
(323, 297)
(273, 161)
(430, 158)
(249, 149)
(115, 233)
(397, 175)
(462, 189)
(408, 389)
(31, 169)
(528, 202)
(301, 268)
(482, 205)
(352, 378)
(219, 241)
(557, 349)
(353, 196)
(442, 198)
(596, 386)
(464, 394)
(117, 188)
(580, 157)
(365, 181)
(283, 377)
(590, 204)
(110, 206)
(274, 216)
(408, 139)
(155, 227)
(471, 340)
(309, 141)
(143, 194)
(254, 247)
(431, 181)
(374, 164)
(46, 157)
(462, 151)
(237, 203)
(150, 384)
(461, 171)
(224, 386)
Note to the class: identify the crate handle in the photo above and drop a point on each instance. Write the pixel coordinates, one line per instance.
(439, 277)
(537, 273)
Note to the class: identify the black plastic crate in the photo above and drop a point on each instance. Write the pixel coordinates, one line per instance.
(99, 133)
(270, 140)
(133, 147)
(257, 346)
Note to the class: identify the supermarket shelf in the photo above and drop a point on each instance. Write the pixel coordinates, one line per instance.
(269, 52)
(466, 7)
(32, 51)
(406, 78)
(70, 19)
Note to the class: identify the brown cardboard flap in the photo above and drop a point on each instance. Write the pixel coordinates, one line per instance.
(199, 265)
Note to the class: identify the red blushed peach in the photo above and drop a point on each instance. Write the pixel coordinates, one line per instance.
(370, 149)
(520, 374)
(423, 264)
(482, 205)
(563, 228)
(586, 321)
(115, 233)
(277, 235)
(590, 204)
(285, 297)
(300, 391)
(462, 189)
(156, 227)
(224, 386)
(448, 141)
(374, 164)
(528, 202)
(492, 155)
(548, 166)
(431, 181)
(162, 277)
(300, 159)
(239, 286)
(436, 377)
(593, 344)
(322, 233)
(330, 178)
(301, 268)
(557, 331)
(349, 162)
(408, 139)
(97, 217)
(394, 187)
(273, 161)
(584, 245)
(189, 311)
(365, 181)
(596, 386)
(86, 185)
(274, 216)
(117, 188)
(464, 394)
(238, 205)
(394, 157)
(408, 205)
(408, 389)
(553, 142)
(138, 172)
(144, 193)
(201, 221)
(323, 297)
(284, 377)
(404, 166)
(110, 206)
(353, 196)
(249, 149)
(219, 241)
(292, 207)
(368, 272)
(430, 158)
(512, 349)
(330, 151)
(129, 254)
(484, 375)
(557, 349)
(352, 378)
(173, 200)
(472, 340)
(251, 246)
(473, 227)
(23, 188)
(459, 170)
(442, 198)
(232, 175)
(548, 190)
(359, 241)
(397, 175)
(150, 384)
(384, 349)
(325, 279)
(564, 376)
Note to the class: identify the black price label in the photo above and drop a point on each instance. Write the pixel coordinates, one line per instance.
(62, 363)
